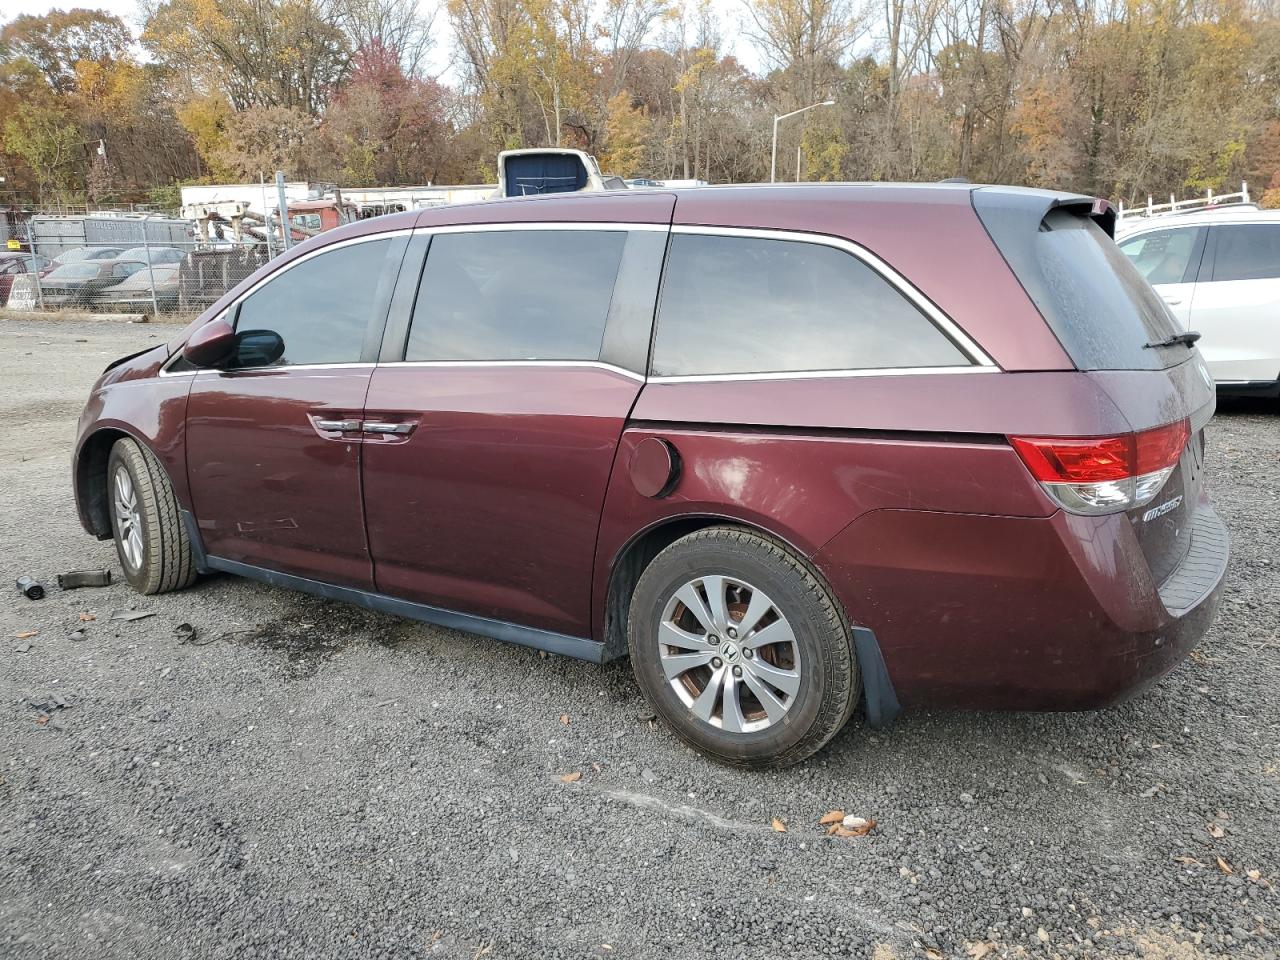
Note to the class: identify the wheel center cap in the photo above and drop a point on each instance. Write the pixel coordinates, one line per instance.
(729, 652)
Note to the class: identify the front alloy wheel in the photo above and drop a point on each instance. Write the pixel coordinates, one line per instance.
(146, 519)
(128, 519)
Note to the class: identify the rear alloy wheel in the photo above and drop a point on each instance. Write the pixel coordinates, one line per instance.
(740, 648)
(150, 540)
(729, 654)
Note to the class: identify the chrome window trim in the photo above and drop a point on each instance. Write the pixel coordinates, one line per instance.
(825, 374)
(271, 369)
(900, 283)
(602, 226)
(355, 365)
(580, 364)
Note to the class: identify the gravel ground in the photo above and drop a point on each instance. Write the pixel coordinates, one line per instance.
(318, 781)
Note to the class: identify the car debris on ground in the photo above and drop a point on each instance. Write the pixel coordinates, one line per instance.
(84, 578)
(30, 588)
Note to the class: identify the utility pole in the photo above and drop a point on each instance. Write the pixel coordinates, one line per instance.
(283, 210)
(773, 162)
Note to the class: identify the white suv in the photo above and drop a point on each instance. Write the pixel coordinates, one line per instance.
(1219, 272)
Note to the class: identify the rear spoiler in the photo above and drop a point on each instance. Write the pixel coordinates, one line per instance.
(1022, 209)
(1096, 208)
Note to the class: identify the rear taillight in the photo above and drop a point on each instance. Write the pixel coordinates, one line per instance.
(1104, 474)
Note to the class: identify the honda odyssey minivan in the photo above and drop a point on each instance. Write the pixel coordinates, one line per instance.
(789, 448)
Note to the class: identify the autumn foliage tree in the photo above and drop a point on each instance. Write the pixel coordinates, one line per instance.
(1120, 99)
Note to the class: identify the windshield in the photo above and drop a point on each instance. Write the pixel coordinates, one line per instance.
(157, 254)
(162, 274)
(74, 271)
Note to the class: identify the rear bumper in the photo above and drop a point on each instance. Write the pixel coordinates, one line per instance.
(1017, 613)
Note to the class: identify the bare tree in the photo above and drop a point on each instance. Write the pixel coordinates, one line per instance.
(404, 26)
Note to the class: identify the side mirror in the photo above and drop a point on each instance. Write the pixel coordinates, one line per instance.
(211, 344)
(258, 348)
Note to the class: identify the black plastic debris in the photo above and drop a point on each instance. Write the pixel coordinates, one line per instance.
(187, 634)
(30, 588)
(84, 578)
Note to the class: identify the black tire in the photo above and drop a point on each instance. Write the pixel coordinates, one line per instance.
(821, 654)
(162, 549)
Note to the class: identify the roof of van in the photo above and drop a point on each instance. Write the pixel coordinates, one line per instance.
(1228, 213)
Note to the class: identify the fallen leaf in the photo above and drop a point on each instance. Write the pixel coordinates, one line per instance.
(564, 718)
(831, 816)
(1188, 861)
(1254, 875)
(86, 617)
(932, 954)
(1216, 831)
(25, 634)
(778, 825)
(859, 831)
(1225, 867)
(596, 767)
(571, 777)
(979, 950)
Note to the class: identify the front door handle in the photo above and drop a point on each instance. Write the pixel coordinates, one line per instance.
(374, 426)
(341, 426)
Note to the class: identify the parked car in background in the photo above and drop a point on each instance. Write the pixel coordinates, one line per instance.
(156, 254)
(787, 447)
(80, 254)
(15, 264)
(82, 284)
(1219, 273)
(643, 182)
(134, 292)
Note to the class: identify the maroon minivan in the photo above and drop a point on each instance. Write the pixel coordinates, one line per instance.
(788, 447)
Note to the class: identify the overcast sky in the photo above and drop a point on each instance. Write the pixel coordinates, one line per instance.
(730, 18)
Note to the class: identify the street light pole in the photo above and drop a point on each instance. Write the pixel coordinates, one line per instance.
(773, 162)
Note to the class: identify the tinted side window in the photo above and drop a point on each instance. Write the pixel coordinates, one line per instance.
(1162, 256)
(322, 307)
(748, 305)
(1247, 251)
(515, 295)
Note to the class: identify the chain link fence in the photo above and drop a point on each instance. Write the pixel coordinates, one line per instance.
(131, 271)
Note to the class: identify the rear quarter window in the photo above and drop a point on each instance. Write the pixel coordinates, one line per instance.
(1096, 302)
(744, 305)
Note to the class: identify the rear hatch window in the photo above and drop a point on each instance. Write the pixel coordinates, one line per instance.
(1097, 304)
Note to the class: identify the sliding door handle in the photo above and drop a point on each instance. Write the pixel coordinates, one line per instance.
(374, 426)
(341, 426)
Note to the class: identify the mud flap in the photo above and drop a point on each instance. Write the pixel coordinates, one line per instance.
(879, 699)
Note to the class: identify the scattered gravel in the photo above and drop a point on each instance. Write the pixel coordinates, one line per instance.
(299, 778)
